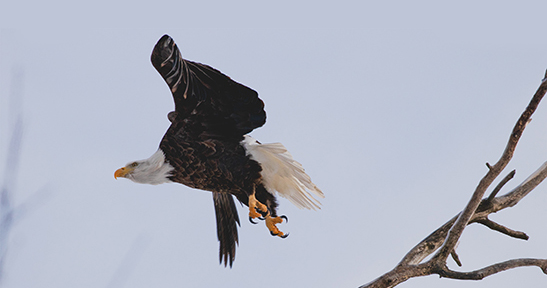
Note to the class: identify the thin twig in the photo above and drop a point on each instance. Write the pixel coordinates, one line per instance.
(500, 228)
(493, 269)
(501, 184)
(456, 258)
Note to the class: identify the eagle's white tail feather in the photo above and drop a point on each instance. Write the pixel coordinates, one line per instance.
(281, 173)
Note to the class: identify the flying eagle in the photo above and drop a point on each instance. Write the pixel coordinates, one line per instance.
(207, 147)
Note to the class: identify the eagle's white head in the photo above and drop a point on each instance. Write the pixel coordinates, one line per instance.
(153, 170)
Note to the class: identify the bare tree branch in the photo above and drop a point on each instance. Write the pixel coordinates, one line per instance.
(445, 238)
(502, 229)
(457, 229)
(493, 269)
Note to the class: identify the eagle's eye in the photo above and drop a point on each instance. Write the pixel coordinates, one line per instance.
(134, 164)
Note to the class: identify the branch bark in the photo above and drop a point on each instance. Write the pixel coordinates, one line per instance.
(445, 238)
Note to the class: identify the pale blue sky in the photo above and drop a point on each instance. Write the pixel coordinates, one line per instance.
(393, 109)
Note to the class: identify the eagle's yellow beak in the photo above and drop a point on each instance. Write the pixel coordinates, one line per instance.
(122, 172)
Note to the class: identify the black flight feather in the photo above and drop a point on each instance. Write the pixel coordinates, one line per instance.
(227, 222)
(221, 107)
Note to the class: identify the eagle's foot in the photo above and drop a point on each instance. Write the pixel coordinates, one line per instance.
(256, 209)
(272, 221)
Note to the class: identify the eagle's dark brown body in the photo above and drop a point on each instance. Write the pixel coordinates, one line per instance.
(203, 143)
(213, 165)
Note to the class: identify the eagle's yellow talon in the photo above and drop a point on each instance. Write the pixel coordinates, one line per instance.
(271, 222)
(255, 210)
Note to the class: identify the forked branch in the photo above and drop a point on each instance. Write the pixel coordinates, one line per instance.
(443, 240)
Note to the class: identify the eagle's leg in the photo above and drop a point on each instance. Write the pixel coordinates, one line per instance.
(272, 221)
(256, 209)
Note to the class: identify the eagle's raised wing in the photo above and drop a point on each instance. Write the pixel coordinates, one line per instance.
(227, 222)
(214, 105)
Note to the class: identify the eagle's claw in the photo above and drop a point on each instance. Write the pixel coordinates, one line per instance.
(282, 236)
(251, 220)
(259, 218)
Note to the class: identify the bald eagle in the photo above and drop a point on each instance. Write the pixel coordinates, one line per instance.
(207, 147)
